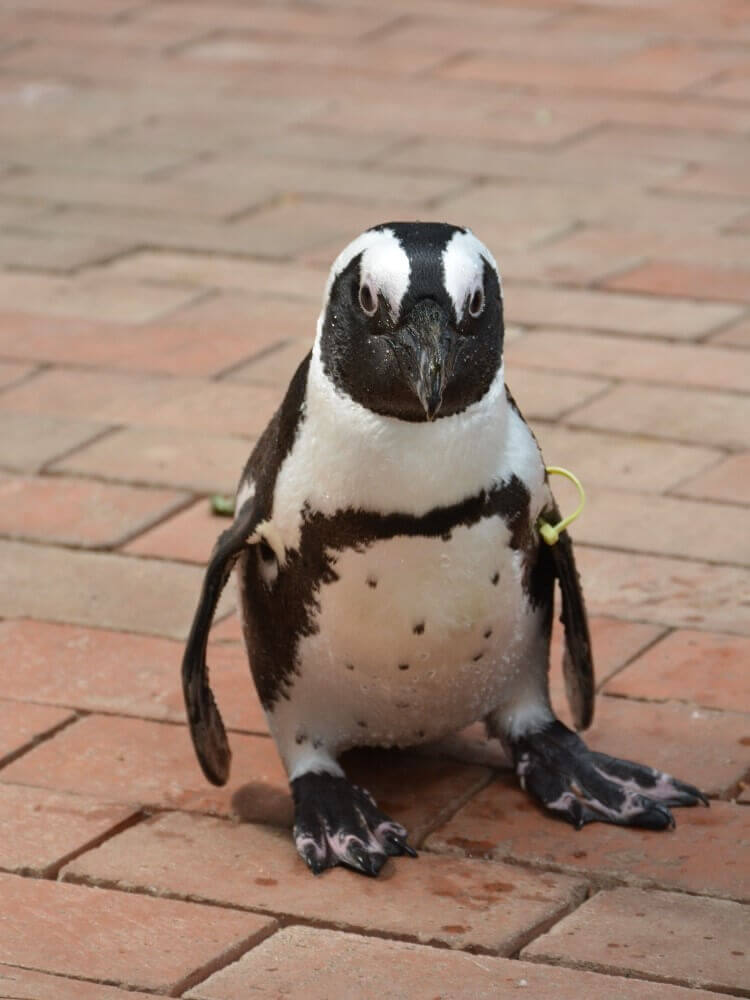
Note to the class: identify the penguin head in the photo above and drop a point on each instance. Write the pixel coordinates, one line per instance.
(412, 322)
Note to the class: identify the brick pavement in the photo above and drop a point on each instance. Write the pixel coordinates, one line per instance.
(175, 178)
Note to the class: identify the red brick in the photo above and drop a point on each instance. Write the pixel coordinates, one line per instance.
(135, 941)
(322, 964)
(146, 400)
(675, 592)
(614, 643)
(620, 461)
(641, 315)
(255, 278)
(21, 726)
(642, 522)
(442, 900)
(685, 281)
(707, 852)
(705, 668)
(117, 672)
(274, 367)
(737, 335)
(11, 372)
(205, 463)
(658, 69)
(28, 440)
(79, 512)
(727, 180)
(728, 480)
(147, 763)
(93, 297)
(41, 829)
(659, 935)
(100, 589)
(24, 984)
(547, 396)
(595, 354)
(189, 536)
(696, 416)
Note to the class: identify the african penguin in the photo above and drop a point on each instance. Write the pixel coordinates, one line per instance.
(393, 584)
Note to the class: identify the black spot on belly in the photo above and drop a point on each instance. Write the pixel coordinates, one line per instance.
(487, 633)
(403, 666)
(418, 628)
(362, 724)
(372, 581)
(477, 657)
(495, 578)
(350, 666)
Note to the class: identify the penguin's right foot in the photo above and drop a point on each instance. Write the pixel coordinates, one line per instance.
(337, 823)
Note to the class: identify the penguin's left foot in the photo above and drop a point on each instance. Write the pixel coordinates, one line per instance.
(557, 768)
(337, 823)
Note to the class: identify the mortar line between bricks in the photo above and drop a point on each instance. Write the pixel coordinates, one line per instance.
(179, 506)
(598, 880)
(726, 563)
(630, 973)
(633, 338)
(111, 714)
(46, 467)
(705, 338)
(37, 740)
(117, 984)
(451, 808)
(728, 449)
(666, 631)
(52, 871)
(228, 957)
(708, 709)
(284, 918)
(633, 293)
(224, 373)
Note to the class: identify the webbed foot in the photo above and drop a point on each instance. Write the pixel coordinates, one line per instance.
(337, 823)
(557, 768)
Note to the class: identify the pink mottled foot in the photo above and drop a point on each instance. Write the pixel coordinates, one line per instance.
(337, 823)
(557, 768)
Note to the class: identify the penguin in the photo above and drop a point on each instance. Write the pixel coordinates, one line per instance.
(393, 586)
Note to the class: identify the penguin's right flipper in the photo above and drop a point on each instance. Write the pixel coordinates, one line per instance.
(206, 727)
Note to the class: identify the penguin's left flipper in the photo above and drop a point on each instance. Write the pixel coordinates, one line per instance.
(206, 726)
(558, 769)
(338, 823)
(578, 665)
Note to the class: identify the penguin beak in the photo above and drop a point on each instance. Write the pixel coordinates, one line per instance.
(430, 344)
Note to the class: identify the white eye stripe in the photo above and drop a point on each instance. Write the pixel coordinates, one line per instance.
(464, 262)
(384, 264)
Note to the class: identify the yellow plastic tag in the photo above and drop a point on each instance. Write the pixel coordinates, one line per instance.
(551, 532)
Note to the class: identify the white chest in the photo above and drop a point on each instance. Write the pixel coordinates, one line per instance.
(416, 637)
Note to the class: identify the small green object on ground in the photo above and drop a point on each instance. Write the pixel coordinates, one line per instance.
(222, 506)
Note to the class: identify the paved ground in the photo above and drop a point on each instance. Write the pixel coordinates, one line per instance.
(175, 178)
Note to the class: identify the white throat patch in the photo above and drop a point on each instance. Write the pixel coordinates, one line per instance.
(463, 267)
(384, 263)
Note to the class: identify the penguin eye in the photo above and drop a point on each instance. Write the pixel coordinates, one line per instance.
(368, 299)
(476, 302)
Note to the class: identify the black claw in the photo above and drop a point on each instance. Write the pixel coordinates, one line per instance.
(653, 816)
(361, 859)
(396, 845)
